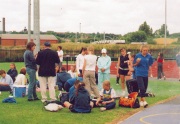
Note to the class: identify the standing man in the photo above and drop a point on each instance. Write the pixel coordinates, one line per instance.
(46, 60)
(103, 63)
(60, 54)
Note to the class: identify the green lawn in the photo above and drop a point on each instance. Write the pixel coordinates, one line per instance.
(33, 112)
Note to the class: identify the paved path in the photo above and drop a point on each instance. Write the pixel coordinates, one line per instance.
(165, 113)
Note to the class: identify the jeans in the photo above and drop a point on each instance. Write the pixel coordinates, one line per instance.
(32, 83)
(142, 85)
(110, 105)
(160, 70)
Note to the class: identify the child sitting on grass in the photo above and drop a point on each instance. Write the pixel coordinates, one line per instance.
(107, 98)
(21, 78)
(80, 101)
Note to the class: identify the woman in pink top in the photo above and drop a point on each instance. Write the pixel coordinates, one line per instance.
(160, 61)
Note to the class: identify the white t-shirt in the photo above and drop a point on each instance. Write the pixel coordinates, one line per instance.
(79, 62)
(73, 74)
(60, 53)
(113, 93)
(20, 80)
(90, 62)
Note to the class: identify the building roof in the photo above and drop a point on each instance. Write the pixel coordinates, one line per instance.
(25, 36)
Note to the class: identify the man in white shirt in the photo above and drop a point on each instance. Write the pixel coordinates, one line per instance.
(60, 54)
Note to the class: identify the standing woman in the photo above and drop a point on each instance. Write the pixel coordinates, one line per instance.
(12, 71)
(60, 54)
(160, 61)
(123, 68)
(80, 60)
(88, 72)
(30, 63)
(143, 61)
(178, 62)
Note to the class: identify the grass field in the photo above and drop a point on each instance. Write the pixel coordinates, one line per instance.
(33, 112)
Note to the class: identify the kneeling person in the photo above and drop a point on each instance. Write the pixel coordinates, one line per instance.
(107, 98)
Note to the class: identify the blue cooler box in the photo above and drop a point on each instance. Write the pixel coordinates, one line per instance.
(19, 90)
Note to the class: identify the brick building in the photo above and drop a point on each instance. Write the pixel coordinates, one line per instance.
(21, 39)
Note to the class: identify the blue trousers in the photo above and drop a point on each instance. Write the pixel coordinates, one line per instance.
(110, 105)
(32, 83)
(102, 77)
(142, 85)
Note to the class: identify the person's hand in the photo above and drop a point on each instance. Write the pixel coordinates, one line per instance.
(102, 69)
(138, 60)
(104, 103)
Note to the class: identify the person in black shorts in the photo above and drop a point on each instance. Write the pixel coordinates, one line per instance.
(123, 68)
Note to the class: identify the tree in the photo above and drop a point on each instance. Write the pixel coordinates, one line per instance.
(146, 28)
(162, 30)
(138, 36)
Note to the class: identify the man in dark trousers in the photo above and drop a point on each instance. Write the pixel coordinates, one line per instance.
(46, 61)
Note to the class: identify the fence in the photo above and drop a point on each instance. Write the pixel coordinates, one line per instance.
(11, 55)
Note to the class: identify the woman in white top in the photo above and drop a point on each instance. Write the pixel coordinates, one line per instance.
(72, 71)
(21, 78)
(80, 60)
(60, 54)
(89, 72)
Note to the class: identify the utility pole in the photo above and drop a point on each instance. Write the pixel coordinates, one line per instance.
(80, 30)
(37, 25)
(104, 37)
(29, 21)
(165, 22)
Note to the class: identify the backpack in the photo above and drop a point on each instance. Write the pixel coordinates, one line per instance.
(131, 101)
(53, 107)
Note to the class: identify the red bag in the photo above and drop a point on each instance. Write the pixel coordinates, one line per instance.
(130, 101)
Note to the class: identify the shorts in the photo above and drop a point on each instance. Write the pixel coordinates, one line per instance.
(123, 72)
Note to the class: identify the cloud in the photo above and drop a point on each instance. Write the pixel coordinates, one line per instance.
(111, 16)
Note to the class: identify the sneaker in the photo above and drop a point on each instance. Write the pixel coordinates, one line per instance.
(60, 94)
(141, 104)
(102, 109)
(123, 93)
(36, 98)
(145, 104)
(164, 78)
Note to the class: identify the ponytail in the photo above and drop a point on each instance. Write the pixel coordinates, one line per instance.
(79, 86)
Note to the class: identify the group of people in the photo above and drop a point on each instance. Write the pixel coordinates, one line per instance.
(80, 80)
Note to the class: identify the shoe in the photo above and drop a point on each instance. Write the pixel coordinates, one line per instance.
(141, 104)
(164, 78)
(117, 84)
(60, 94)
(30, 99)
(36, 98)
(151, 94)
(123, 93)
(102, 109)
(145, 104)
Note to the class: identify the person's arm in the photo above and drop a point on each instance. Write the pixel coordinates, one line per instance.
(108, 64)
(118, 66)
(77, 64)
(136, 61)
(14, 73)
(84, 66)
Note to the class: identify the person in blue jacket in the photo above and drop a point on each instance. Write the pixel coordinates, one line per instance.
(70, 82)
(80, 101)
(142, 62)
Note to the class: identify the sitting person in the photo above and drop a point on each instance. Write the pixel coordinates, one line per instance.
(70, 82)
(107, 97)
(6, 82)
(80, 101)
(62, 77)
(12, 71)
(21, 78)
(72, 72)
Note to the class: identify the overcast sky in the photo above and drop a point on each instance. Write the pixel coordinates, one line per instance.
(110, 16)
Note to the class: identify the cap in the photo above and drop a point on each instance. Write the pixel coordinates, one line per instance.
(47, 43)
(103, 50)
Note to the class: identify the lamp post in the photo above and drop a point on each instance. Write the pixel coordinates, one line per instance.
(80, 30)
(165, 30)
(29, 21)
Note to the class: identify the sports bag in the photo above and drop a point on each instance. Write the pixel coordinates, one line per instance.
(131, 101)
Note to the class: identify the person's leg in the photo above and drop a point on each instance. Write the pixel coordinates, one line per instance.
(86, 81)
(92, 81)
(110, 105)
(100, 80)
(67, 104)
(117, 80)
(43, 81)
(32, 81)
(159, 72)
(5, 88)
(67, 87)
(145, 80)
(51, 82)
(34, 84)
